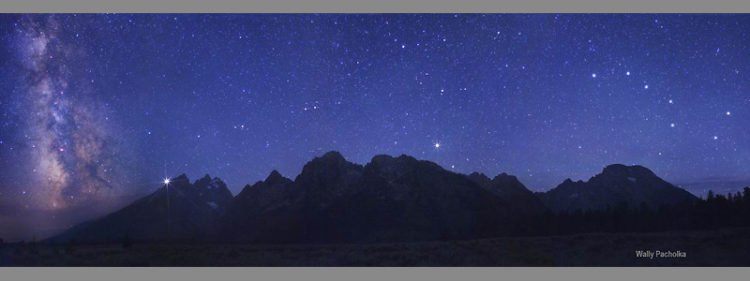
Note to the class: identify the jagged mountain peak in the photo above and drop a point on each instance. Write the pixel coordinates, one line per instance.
(478, 174)
(500, 179)
(329, 165)
(332, 155)
(209, 183)
(392, 168)
(506, 178)
(204, 181)
(381, 158)
(517, 197)
(179, 180)
(480, 178)
(388, 160)
(275, 177)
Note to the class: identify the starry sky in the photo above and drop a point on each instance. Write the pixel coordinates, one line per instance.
(96, 109)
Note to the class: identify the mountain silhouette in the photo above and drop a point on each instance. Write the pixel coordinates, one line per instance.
(281, 210)
(402, 199)
(179, 211)
(616, 185)
(521, 200)
(388, 199)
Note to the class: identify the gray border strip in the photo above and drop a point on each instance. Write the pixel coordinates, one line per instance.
(379, 6)
(432, 274)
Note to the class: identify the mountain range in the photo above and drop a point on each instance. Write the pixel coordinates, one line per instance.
(388, 199)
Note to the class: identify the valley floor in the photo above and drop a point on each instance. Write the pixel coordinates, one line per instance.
(726, 247)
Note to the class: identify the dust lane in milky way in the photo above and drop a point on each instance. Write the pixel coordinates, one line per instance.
(71, 151)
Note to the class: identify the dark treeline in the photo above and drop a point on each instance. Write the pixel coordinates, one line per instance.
(713, 212)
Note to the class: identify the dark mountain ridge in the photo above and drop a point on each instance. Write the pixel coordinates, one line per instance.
(389, 199)
(179, 211)
(617, 184)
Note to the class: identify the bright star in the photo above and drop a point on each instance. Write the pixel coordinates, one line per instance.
(645, 86)
(671, 101)
(166, 180)
(627, 73)
(671, 125)
(716, 137)
(593, 75)
(437, 145)
(729, 113)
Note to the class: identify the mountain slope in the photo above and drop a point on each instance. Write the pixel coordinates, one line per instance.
(179, 211)
(521, 200)
(616, 185)
(281, 210)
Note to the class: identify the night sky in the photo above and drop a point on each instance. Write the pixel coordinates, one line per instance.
(98, 109)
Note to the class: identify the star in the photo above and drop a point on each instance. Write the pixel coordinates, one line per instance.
(716, 137)
(671, 101)
(437, 145)
(593, 75)
(645, 86)
(166, 181)
(671, 125)
(728, 113)
(627, 73)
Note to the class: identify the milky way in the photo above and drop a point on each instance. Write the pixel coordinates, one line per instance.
(71, 149)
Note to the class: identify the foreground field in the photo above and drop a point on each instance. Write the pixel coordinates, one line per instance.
(729, 247)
